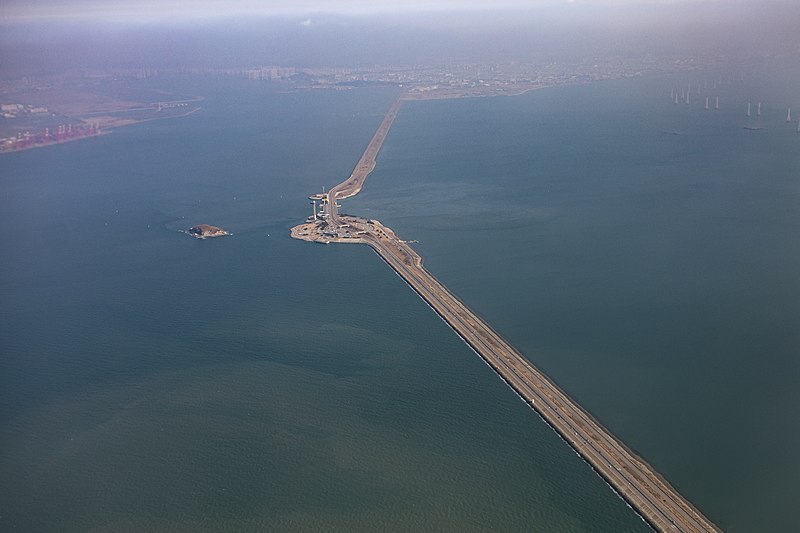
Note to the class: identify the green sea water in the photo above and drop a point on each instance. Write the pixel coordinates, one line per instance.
(643, 254)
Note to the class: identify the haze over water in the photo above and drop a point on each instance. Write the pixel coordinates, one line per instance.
(643, 254)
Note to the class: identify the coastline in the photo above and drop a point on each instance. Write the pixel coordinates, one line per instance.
(120, 123)
(444, 95)
(54, 143)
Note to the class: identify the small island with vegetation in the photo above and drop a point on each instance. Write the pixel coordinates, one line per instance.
(205, 231)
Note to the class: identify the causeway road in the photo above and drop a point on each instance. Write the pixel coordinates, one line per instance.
(660, 504)
(352, 185)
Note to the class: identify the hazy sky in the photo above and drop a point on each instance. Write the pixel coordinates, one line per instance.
(50, 34)
(18, 10)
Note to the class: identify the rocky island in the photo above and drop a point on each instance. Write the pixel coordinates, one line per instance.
(205, 231)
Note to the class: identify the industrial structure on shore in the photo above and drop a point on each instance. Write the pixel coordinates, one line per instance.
(62, 133)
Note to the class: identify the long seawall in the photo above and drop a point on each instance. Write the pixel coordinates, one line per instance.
(631, 477)
(352, 185)
(660, 504)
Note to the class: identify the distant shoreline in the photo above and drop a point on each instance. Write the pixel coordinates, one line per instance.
(54, 142)
(118, 124)
(444, 95)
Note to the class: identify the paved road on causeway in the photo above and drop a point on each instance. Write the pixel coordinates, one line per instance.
(632, 477)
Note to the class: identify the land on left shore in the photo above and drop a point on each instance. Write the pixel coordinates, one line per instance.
(42, 112)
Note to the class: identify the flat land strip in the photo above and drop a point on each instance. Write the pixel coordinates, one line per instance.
(37, 115)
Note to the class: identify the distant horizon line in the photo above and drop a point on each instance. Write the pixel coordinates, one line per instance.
(153, 12)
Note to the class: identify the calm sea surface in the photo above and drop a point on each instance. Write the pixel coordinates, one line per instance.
(644, 254)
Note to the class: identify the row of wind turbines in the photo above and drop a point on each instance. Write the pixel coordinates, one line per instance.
(683, 96)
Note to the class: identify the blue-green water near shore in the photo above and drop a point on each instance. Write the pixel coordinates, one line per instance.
(644, 254)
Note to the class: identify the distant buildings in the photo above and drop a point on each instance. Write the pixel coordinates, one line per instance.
(15, 110)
